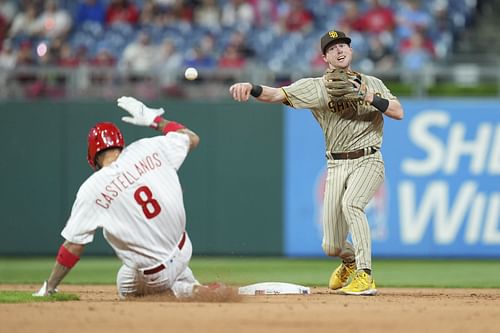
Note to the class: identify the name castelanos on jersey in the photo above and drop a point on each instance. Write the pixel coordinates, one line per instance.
(126, 179)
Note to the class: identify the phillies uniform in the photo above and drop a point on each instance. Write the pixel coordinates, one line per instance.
(138, 202)
(354, 177)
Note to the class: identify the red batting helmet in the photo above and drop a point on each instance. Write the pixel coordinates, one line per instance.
(103, 136)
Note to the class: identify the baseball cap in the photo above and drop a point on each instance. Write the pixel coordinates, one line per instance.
(333, 37)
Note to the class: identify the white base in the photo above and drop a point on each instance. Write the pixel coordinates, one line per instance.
(274, 288)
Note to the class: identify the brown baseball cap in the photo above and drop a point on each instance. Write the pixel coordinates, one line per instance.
(333, 37)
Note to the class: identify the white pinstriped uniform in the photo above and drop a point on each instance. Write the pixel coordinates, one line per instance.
(138, 202)
(350, 183)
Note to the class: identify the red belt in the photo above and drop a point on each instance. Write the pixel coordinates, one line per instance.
(161, 267)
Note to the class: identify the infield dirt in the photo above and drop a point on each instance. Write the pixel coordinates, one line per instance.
(393, 310)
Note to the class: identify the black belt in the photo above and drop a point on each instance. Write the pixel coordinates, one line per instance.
(351, 155)
(161, 267)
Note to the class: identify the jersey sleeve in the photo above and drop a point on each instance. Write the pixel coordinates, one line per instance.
(175, 146)
(383, 90)
(82, 223)
(303, 94)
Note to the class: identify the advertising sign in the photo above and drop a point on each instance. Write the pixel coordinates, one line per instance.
(441, 195)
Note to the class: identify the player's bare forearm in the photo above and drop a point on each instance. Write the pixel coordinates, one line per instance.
(194, 139)
(241, 92)
(272, 95)
(59, 271)
(395, 110)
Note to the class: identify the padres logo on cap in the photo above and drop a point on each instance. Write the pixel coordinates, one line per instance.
(333, 34)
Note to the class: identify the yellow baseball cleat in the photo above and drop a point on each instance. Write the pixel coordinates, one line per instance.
(361, 284)
(341, 275)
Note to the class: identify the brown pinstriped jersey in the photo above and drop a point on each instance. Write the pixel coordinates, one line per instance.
(345, 127)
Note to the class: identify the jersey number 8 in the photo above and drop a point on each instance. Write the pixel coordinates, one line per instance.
(144, 197)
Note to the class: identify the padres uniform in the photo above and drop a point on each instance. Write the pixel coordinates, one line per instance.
(138, 202)
(351, 182)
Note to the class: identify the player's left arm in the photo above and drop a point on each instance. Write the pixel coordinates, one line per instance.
(393, 109)
(142, 115)
(67, 257)
(384, 101)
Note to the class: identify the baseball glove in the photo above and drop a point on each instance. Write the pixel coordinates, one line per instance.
(344, 85)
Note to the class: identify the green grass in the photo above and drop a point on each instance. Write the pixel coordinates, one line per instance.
(25, 297)
(245, 270)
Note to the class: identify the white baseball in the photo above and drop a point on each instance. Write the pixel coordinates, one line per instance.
(191, 73)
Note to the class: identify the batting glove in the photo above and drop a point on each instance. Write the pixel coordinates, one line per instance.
(141, 114)
(44, 291)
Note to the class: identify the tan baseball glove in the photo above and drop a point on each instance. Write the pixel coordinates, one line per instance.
(344, 85)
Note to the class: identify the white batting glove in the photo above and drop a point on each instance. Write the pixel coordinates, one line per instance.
(44, 291)
(141, 114)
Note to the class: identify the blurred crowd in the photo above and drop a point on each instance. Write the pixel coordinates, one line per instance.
(163, 36)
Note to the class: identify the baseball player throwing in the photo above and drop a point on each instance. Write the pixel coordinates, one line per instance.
(349, 107)
(136, 197)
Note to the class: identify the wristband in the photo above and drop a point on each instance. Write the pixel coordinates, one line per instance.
(156, 122)
(172, 126)
(66, 258)
(256, 90)
(380, 103)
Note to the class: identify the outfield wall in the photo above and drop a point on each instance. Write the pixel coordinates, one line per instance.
(254, 185)
(232, 182)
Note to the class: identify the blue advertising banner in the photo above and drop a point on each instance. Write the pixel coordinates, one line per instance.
(441, 195)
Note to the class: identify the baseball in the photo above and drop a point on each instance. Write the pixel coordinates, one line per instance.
(191, 73)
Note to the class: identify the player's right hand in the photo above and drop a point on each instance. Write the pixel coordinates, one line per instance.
(240, 91)
(44, 291)
(141, 114)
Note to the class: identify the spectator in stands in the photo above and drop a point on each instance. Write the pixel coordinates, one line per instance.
(412, 17)
(199, 58)
(380, 55)
(90, 11)
(151, 14)
(7, 64)
(102, 63)
(54, 22)
(121, 11)
(351, 16)
(25, 54)
(7, 57)
(266, 12)
(25, 57)
(296, 18)
(441, 29)
(377, 19)
(168, 64)
(68, 57)
(415, 52)
(25, 22)
(3, 28)
(139, 56)
(8, 10)
(103, 57)
(238, 39)
(231, 58)
(182, 11)
(207, 14)
(238, 13)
